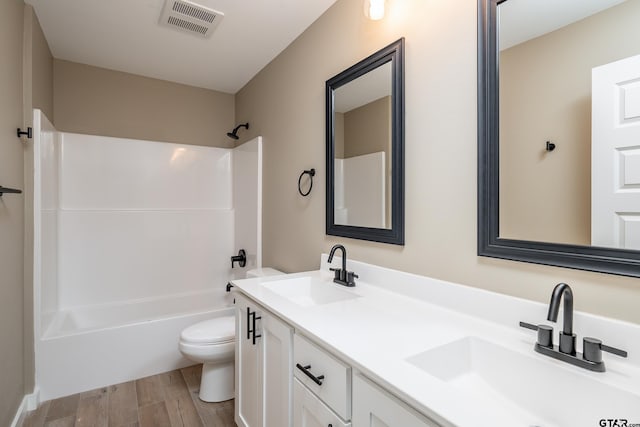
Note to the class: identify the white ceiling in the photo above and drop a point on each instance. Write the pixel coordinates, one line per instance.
(124, 35)
(522, 20)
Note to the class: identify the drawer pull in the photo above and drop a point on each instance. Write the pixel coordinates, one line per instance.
(305, 369)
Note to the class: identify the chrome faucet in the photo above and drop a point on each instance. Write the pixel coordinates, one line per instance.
(591, 358)
(567, 337)
(341, 275)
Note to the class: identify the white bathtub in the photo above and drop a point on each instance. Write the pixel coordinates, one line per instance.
(95, 346)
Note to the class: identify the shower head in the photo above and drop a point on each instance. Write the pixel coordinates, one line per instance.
(234, 133)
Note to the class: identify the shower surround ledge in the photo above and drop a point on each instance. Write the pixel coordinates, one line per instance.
(398, 321)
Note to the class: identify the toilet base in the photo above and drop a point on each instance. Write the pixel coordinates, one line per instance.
(217, 382)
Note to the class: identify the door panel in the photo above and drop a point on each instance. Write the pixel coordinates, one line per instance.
(615, 159)
(277, 367)
(248, 356)
(373, 407)
(309, 411)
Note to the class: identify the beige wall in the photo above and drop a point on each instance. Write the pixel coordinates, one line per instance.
(98, 101)
(338, 135)
(42, 67)
(545, 94)
(12, 384)
(37, 92)
(367, 129)
(441, 149)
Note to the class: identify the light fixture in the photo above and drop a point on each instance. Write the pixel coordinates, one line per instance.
(374, 9)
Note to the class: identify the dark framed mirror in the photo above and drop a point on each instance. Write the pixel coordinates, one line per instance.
(365, 148)
(559, 133)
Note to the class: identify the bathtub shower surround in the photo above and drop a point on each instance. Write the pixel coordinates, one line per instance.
(141, 219)
(133, 240)
(360, 191)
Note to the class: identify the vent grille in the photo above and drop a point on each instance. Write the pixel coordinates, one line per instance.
(193, 12)
(186, 25)
(190, 17)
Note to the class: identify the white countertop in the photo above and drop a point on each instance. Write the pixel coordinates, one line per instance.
(380, 329)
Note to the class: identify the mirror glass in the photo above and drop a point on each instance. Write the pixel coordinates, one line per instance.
(559, 133)
(362, 156)
(365, 149)
(569, 121)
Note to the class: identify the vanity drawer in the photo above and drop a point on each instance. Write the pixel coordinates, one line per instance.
(309, 411)
(335, 385)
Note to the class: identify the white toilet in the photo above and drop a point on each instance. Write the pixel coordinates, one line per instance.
(212, 343)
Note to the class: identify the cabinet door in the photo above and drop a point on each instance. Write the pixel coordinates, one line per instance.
(248, 372)
(374, 407)
(277, 350)
(309, 411)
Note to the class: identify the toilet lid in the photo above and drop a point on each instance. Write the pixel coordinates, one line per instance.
(214, 331)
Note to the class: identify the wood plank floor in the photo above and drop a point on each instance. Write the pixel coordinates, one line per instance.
(164, 400)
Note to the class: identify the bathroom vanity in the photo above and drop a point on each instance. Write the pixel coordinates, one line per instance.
(405, 350)
(276, 384)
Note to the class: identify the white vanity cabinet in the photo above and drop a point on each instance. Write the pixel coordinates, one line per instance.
(310, 411)
(284, 379)
(322, 389)
(263, 367)
(374, 407)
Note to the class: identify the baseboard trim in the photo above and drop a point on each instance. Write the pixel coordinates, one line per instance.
(33, 399)
(29, 403)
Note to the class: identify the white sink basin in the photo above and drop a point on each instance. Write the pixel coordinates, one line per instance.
(309, 291)
(530, 390)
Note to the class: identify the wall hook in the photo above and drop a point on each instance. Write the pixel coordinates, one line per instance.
(311, 173)
(28, 133)
(550, 146)
(9, 190)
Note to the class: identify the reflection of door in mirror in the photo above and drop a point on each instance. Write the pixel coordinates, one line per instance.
(546, 61)
(362, 161)
(615, 199)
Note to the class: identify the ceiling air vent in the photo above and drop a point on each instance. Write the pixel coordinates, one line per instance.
(190, 17)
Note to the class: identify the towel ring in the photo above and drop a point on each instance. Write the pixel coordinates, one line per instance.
(311, 173)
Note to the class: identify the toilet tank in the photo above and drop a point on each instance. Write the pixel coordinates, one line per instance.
(262, 272)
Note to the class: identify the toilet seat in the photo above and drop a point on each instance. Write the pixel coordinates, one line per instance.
(220, 330)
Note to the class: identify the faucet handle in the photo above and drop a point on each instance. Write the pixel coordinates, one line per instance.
(337, 273)
(351, 276)
(545, 333)
(613, 350)
(528, 326)
(592, 349)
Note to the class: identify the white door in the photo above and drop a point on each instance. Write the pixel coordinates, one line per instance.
(615, 154)
(277, 368)
(248, 405)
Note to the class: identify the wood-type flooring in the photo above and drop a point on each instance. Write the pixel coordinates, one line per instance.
(163, 400)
